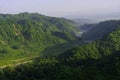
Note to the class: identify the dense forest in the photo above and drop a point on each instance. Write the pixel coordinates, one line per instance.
(28, 35)
(96, 60)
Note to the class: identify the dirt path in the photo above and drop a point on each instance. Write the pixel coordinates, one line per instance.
(14, 65)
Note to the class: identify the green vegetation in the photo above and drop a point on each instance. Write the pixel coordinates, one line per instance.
(29, 34)
(99, 60)
(98, 49)
(100, 30)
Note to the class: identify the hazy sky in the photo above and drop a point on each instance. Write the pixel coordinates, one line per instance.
(81, 8)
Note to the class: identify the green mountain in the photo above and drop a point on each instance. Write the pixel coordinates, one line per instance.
(104, 47)
(98, 60)
(29, 34)
(100, 30)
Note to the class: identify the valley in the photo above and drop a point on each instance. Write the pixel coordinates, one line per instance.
(39, 47)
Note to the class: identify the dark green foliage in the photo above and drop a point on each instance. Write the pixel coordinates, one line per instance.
(4, 51)
(104, 47)
(61, 48)
(15, 47)
(101, 30)
(105, 68)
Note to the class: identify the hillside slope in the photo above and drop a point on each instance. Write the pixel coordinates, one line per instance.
(101, 30)
(28, 34)
(99, 60)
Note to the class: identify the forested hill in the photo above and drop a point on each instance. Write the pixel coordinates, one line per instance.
(109, 44)
(99, 60)
(100, 30)
(28, 34)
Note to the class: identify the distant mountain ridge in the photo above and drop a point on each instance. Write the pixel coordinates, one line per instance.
(100, 30)
(81, 21)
